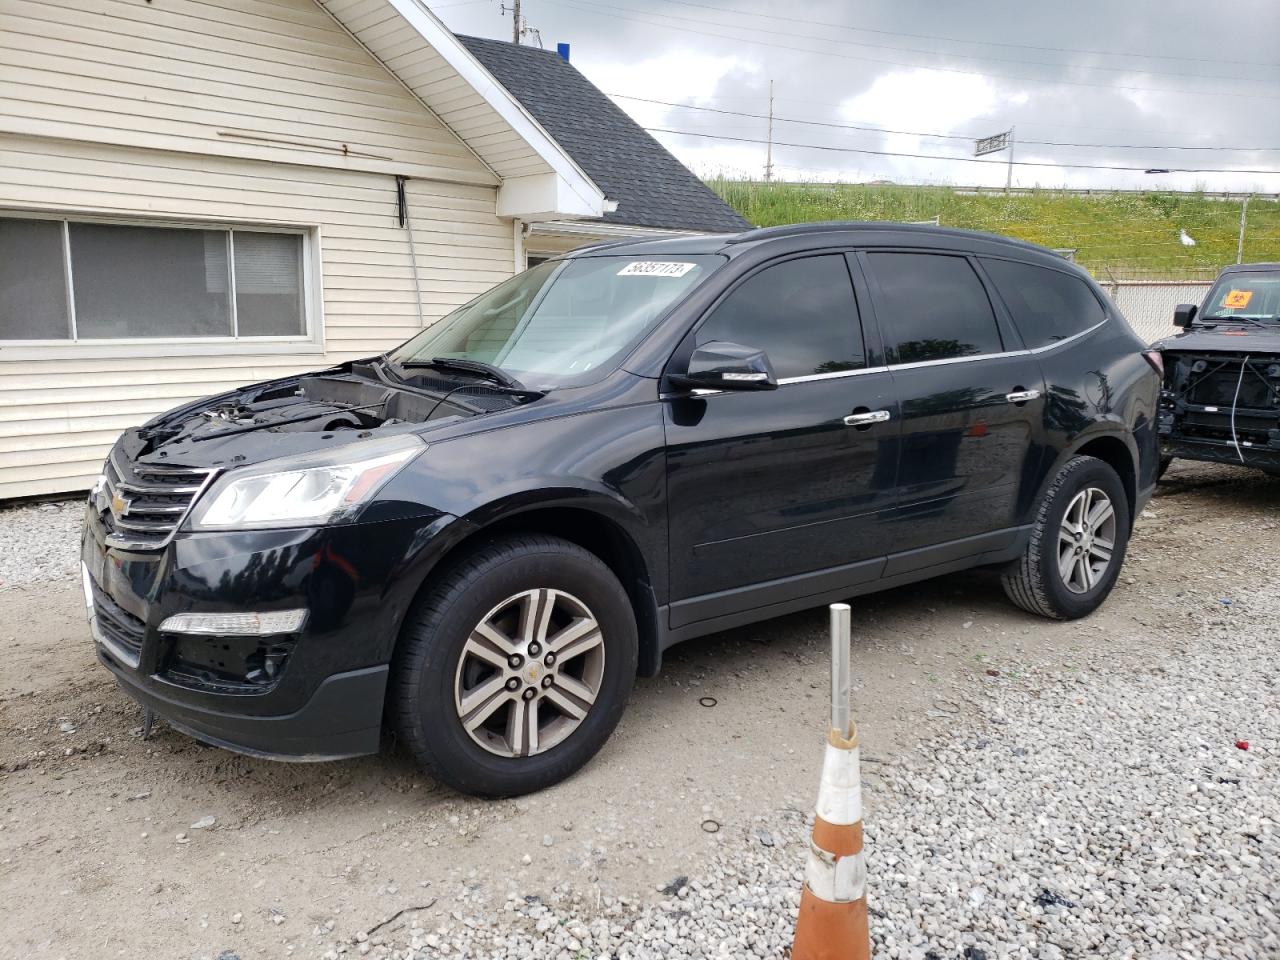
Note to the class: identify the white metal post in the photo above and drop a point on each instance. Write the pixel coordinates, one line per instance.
(840, 634)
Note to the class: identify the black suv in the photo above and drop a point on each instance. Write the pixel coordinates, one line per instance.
(1221, 398)
(483, 536)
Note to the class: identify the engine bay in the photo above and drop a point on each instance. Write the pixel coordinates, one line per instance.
(1231, 398)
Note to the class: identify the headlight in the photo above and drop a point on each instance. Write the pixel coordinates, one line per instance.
(310, 489)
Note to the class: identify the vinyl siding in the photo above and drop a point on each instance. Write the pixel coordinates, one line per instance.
(267, 79)
(452, 99)
(254, 112)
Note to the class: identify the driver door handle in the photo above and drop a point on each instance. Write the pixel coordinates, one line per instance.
(866, 419)
(1021, 396)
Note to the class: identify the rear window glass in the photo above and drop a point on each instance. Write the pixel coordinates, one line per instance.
(1047, 305)
(934, 307)
(1254, 296)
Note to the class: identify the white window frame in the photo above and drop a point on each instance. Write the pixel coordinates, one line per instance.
(310, 341)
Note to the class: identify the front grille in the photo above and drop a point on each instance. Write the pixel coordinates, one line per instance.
(147, 503)
(117, 625)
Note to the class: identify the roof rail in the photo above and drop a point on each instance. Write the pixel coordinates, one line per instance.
(626, 242)
(821, 226)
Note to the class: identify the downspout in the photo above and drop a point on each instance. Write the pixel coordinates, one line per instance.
(402, 212)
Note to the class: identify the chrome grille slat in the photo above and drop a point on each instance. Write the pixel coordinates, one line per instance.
(144, 526)
(148, 509)
(158, 489)
(158, 500)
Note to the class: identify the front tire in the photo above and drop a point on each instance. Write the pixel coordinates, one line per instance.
(513, 670)
(1077, 546)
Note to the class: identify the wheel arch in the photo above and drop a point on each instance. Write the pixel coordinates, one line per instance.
(1115, 448)
(598, 525)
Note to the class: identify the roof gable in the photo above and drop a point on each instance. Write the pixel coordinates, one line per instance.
(650, 186)
(539, 178)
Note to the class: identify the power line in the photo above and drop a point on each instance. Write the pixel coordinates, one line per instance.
(916, 66)
(1128, 54)
(772, 31)
(939, 136)
(929, 156)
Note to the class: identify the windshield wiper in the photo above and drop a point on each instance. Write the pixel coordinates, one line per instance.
(486, 370)
(1217, 321)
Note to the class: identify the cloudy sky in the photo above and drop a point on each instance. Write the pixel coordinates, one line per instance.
(1108, 77)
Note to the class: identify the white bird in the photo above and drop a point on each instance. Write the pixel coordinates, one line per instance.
(1186, 239)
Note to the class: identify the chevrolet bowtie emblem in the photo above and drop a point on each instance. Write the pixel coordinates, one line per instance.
(120, 505)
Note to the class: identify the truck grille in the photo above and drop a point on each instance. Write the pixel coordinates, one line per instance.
(147, 503)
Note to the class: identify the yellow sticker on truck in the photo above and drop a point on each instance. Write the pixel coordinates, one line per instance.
(1237, 299)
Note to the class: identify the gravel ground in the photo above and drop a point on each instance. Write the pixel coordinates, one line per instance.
(1082, 813)
(41, 542)
(1033, 790)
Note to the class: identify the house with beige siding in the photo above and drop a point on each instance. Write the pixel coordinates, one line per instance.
(199, 194)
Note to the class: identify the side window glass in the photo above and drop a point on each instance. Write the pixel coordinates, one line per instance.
(1046, 305)
(802, 313)
(934, 308)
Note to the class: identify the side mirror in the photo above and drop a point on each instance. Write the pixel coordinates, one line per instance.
(720, 365)
(1183, 314)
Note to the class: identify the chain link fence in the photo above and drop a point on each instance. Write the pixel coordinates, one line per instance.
(1148, 304)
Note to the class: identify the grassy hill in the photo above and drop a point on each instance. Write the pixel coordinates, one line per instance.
(1114, 235)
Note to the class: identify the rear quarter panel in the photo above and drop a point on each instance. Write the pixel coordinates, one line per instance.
(1102, 386)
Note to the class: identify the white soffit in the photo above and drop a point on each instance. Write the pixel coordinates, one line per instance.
(427, 58)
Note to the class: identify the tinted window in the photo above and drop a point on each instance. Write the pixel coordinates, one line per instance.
(1046, 305)
(934, 308)
(801, 313)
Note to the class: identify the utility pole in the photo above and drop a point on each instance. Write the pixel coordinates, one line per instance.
(768, 155)
(1244, 210)
(515, 21)
(1008, 180)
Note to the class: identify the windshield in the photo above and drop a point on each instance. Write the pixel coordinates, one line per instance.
(563, 322)
(1244, 296)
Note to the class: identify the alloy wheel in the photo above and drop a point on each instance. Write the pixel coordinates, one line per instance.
(529, 673)
(1086, 540)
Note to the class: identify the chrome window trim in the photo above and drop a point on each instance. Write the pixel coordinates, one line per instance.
(1075, 336)
(838, 374)
(834, 375)
(995, 356)
(965, 359)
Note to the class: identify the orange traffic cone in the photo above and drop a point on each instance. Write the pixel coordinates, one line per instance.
(833, 905)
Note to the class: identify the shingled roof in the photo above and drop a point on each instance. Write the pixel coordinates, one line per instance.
(651, 187)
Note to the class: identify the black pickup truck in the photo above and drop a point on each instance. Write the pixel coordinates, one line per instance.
(1221, 395)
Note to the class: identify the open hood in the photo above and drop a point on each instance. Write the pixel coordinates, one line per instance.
(301, 414)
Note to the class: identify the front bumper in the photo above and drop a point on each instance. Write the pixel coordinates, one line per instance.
(312, 695)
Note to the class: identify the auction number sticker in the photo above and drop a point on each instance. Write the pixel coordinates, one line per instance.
(1237, 299)
(655, 268)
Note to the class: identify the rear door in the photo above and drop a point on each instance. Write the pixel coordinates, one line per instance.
(780, 485)
(972, 403)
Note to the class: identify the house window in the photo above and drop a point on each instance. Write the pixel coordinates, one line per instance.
(87, 281)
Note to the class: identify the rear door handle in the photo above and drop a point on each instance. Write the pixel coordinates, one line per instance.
(1021, 396)
(866, 419)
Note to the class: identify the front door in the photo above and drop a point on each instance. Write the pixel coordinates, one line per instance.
(971, 400)
(783, 484)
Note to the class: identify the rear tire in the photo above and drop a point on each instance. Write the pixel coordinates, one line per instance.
(478, 693)
(1077, 544)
